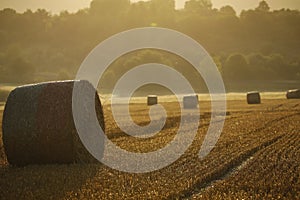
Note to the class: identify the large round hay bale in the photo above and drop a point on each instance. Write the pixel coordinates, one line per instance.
(293, 94)
(151, 100)
(253, 97)
(38, 125)
(190, 102)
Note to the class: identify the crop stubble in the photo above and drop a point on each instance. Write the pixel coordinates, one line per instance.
(249, 131)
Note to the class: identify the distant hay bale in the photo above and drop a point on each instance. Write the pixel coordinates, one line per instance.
(151, 100)
(38, 125)
(253, 97)
(293, 94)
(190, 102)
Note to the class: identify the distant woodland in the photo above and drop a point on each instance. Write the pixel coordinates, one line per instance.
(257, 45)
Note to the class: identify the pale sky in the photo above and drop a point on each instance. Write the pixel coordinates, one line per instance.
(55, 6)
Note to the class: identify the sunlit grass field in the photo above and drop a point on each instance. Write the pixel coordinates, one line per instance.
(256, 157)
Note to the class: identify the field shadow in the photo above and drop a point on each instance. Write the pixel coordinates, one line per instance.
(42, 181)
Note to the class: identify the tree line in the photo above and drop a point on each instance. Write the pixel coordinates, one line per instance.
(259, 44)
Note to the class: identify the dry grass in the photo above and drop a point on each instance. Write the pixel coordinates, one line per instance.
(272, 173)
(250, 131)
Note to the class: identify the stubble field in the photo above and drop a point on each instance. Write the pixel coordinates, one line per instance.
(256, 157)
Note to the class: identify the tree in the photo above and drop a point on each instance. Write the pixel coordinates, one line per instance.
(138, 9)
(258, 66)
(162, 12)
(263, 6)
(109, 7)
(54, 43)
(257, 60)
(198, 6)
(228, 11)
(236, 67)
(8, 12)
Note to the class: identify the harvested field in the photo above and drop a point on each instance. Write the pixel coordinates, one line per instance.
(257, 156)
(272, 173)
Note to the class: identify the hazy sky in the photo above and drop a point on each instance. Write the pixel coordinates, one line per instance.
(55, 6)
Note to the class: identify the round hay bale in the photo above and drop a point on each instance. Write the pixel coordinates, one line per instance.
(293, 94)
(152, 100)
(38, 125)
(190, 102)
(253, 97)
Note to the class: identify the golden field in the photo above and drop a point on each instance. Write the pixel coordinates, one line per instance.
(256, 157)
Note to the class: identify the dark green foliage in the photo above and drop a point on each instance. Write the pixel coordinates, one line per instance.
(257, 45)
(236, 67)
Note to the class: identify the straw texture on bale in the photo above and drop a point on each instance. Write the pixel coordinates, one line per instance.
(190, 102)
(293, 94)
(253, 97)
(38, 125)
(151, 100)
